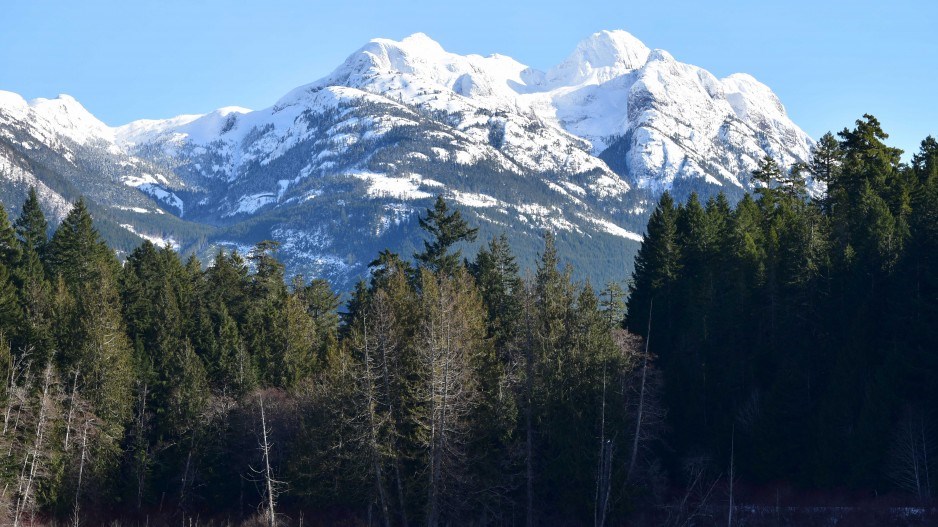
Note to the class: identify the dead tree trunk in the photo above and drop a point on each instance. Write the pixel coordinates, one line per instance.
(529, 424)
(32, 459)
(449, 334)
(71, 409)
(641, 398)
(604, 472)
(374, 449)
(269, 483)
(143, 446)
(385, 322)
(81, 470)
(19, 369)
(729, 520)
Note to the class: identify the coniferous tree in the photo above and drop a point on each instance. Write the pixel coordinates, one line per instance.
(496, 273)
(446, 229)
(77, 252)
(11, 315)
(10, 249)
(768, 173)
(657, 265)
(297, 339)
(826, 159)
(31, 226)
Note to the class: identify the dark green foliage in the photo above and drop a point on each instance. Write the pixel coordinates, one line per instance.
(446, 229)
(801, 330)
(496, 274)
(31, 227)
(77, 252)
(802, 324)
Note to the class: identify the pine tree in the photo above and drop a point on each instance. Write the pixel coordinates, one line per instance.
(826, 158)
(767, 173)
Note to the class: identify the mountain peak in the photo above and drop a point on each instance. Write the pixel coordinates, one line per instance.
(600, 57)
(66, 116)
(417, 44)
(420, 39)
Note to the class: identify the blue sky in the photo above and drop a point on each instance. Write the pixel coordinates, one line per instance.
(829, 61)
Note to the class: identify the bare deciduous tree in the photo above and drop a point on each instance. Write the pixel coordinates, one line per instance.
(272, 486)
(449, 332)
(642, 387)
(387, 344)
(76, 517)
(911, 454)
(374, 420)
(35, 455)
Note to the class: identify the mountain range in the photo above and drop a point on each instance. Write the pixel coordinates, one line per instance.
(339, 169)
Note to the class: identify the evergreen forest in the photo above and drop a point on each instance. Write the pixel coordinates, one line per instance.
(782, 348)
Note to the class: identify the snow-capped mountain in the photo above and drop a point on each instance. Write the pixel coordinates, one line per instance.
(337, 169)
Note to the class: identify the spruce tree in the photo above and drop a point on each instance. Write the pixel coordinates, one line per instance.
(297, 340)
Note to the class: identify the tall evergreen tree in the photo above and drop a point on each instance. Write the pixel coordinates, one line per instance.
(10, 249)
(445, 229)
(77, 252)
(657, 265)
(31, 226)
(496, 273)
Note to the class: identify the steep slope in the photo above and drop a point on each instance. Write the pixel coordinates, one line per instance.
(58, 147)
(337, 169)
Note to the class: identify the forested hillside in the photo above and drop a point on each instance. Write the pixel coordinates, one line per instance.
(791, 344)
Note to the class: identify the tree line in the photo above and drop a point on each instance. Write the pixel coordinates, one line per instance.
(789, 337)
(798, 332)
(444, 391)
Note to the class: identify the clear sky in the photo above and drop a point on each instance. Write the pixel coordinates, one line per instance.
(829, 61)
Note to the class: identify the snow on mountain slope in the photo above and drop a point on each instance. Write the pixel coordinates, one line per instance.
(679, 121)
(59, 148)
(52, 119)
(339, 167)
(600, 58)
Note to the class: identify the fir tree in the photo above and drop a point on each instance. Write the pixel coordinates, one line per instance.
(10, 249)
(31, 226)
(77, 252)
(445, 229)
(657, 265)
(496, 273)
